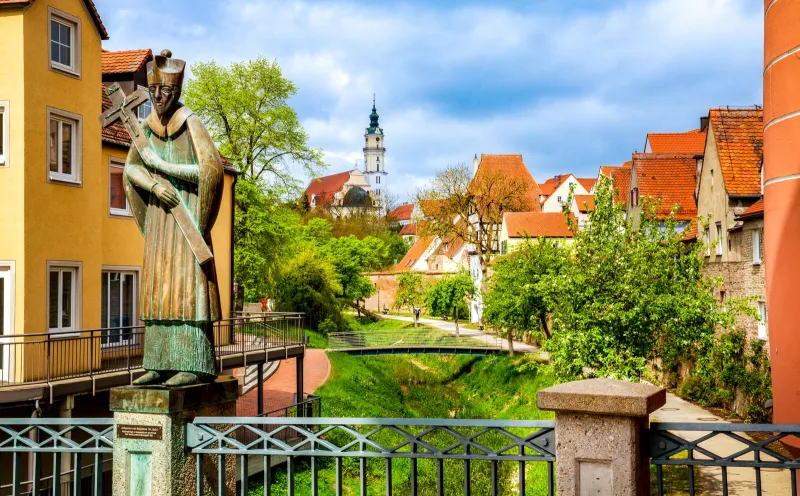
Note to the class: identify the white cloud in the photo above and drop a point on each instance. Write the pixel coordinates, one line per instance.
(567, 89)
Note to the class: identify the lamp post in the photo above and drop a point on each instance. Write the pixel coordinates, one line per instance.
(379, 297)
(235, 296)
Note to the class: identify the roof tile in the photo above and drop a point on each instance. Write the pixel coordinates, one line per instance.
(671, 178)
(740, 139)
(535, 224)
(755, 210)
(510, 166)
(414, 254)
(691, 142)
(403, 212)
(125, 61)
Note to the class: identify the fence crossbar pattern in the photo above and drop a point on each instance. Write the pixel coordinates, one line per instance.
(339, 441)
(412, 338)
(33, 447)
(669, 446)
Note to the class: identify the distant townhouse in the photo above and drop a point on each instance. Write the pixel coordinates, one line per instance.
(403, 216)
(729, 198)
(668, 178)
(519, 227)
(556, 190)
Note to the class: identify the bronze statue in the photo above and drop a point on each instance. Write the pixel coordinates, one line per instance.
(173, 181)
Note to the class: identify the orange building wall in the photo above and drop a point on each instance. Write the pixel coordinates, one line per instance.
(782, 201)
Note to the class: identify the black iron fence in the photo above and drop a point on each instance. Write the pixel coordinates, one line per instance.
(408, 456)
(744, 459)
(56, 356)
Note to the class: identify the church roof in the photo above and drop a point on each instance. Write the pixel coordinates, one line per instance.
(373, 121)
(327, 185)
(403, 212)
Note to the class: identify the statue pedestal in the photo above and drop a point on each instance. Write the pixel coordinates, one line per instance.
(150, 458)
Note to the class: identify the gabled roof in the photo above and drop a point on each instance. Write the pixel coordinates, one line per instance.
(690, 232)
(755, 211)
(408, 230)
(324, 187)
(89, 4)
(125, 61)
(551, 184)
(739, 136)
(587, 182)
(691, 142)
(621, 182)
(510, 166)
(414, 253)
(535, 224)
(403, 212)
(585, 203)
(670, 177)
(450, 246)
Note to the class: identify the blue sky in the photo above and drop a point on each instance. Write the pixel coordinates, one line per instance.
(569, 84)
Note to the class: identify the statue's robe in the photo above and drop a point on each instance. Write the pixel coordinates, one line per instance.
(179, 298)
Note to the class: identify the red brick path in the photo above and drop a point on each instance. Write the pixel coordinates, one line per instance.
(280, 388)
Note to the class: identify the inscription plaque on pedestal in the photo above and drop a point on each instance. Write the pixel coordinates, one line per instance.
(149, 432)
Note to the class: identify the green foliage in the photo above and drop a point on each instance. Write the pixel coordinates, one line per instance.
(517, 301)
(308, 283)
(630, 296)
(731, 366)
(447, 297)
(350, 257)
(264, 232)
(328, 326)
(245, 107)
(410, 291)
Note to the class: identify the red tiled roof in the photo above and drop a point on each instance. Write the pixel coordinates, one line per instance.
(690, 232)
(125, 61)
(408, 230)
(740, 139)
(755, 210)
(414, 253)
(621, 182)
(535, 224)
(670, 177)
(606, 169)
(551, 184)
(403, 212)
(90, 6)
(691, 142)
(587, 182)
(510, 166)
(585, 202)
(450, 246)
(326, 186)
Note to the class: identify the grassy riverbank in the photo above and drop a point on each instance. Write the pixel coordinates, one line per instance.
(408, 386)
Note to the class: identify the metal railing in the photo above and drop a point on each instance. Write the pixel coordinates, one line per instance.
(47, 357)
(36, 452)
(413, 338)
(311, 406)
(684, 460)
(430, 456)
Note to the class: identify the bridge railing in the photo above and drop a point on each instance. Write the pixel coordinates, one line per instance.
(408, 456)
(412, 338)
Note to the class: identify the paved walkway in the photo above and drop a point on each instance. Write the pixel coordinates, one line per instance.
(741, 481)
(451, 327)
(279, 389)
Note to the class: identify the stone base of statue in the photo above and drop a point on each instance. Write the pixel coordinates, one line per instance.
(150, 457)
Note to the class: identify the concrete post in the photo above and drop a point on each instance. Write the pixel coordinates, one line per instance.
(599, 424)
(150, 454)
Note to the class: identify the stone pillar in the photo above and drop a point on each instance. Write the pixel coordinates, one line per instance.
(781, 175)
(150, 457)
(599, 424)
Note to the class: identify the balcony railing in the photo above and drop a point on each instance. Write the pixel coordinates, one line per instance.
(30, 359)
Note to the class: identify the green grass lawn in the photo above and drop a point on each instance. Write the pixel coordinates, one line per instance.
(494, 387)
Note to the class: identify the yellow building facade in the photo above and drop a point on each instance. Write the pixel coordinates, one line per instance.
(69, 257)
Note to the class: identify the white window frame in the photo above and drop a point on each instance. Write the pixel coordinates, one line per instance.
(719, 237)
(756, 247)
(74, 24)
(4, 136)
(77, 291)
(61, 116)
(121, 212)
(127, 271)
(763, 329)
(708, 241)
(8, 273)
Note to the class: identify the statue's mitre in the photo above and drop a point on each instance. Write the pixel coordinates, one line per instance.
(165, 70)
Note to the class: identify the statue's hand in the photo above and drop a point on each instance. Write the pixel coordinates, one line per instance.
(150, 158)
(168, 196)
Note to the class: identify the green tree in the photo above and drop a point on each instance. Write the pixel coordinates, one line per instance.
(351, 257)
(245, 107)
(449, 295)
(518, 299)
(410, 292)
(629, 297)
(309, 284)
(264, 233)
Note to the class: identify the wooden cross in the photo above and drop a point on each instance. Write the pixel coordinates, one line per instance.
(123, 109)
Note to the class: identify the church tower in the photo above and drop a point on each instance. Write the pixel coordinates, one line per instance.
(374, 159)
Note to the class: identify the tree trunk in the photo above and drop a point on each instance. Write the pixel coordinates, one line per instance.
(455, 319)
(543, 321)
(510, 344)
